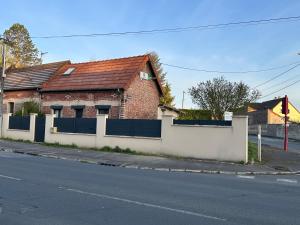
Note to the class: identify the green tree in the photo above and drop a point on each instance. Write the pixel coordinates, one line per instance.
(219, 95)
(21, 51)
(167, 98)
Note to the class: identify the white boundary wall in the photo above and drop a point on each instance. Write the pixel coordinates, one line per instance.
(229, 143)
(26, 135)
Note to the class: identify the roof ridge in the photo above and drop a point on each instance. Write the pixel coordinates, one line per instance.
(113, 59)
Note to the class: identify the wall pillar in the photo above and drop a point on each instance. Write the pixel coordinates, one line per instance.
(5, 124)
(32, 126)
(49, 123)
(101, 130)
(166, 131)
(240, 129)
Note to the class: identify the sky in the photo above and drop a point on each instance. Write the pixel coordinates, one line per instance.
(237, 48)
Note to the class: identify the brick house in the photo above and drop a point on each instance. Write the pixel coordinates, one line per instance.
(122, 88)
(24, 84)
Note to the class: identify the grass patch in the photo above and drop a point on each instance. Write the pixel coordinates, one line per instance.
(56, 144)
(17, 140)
(116, 149)
(252, 152)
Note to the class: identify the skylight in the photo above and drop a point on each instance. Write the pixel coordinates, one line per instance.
(69, 71)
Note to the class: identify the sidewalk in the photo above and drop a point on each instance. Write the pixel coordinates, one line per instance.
(153, 162)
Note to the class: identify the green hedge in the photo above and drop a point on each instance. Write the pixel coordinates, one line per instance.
(194, 114)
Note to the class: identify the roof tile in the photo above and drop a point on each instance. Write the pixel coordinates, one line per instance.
(106, 74)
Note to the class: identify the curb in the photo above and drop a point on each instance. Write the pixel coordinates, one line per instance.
(157, 169)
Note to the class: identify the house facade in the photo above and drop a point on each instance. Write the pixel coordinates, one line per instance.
(23, 85)
(122, 88)
(269, 112)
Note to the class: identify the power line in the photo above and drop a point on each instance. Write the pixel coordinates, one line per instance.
(275, 77)
(280, 83)
(237, 72)
(177, 29)
(287, 86)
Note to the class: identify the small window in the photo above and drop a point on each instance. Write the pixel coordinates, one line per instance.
(57, 113)
(57, 109)
(103, 109)
(78, 113)
(69, 71)
(78, 110)
(11, 107)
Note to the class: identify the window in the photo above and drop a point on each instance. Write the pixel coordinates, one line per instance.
(78, 113)
(57, 109)
(78, 110)
(57, 113)
(103, 109)
(69, 71)
(11, 107)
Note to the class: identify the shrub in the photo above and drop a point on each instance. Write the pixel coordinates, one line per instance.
(252, 151)
(194, 114)
(29, 107)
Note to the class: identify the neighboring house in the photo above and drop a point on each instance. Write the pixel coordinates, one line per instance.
(24, 84)
(122, 88)
(269, 112)
(164, 110)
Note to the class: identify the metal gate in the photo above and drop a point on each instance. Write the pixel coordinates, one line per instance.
(39, 135)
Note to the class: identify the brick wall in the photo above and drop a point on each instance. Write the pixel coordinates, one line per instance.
(18, 98)
(142, 98)
(88, 99)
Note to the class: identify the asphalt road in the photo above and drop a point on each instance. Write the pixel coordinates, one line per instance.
(43, 191)
(294, 146)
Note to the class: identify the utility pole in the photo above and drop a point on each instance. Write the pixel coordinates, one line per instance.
(2, 81)
(285, 111)
(182, 99)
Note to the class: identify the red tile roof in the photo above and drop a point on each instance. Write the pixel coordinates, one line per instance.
(98, 75)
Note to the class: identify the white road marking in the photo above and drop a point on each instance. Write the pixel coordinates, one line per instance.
(246, 177)
(11, 178)
(287, 180)
(145, 204)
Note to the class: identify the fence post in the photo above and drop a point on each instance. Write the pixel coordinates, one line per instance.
(32, 126)
(101, 130)
(259, 143)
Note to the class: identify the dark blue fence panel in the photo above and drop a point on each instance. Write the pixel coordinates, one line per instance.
(133, 127)
(76, 125)
(19, 122)
(203, 122)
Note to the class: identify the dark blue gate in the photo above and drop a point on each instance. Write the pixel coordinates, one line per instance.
(39, 135)
(19, 122)
(133, 127)
(76, 125)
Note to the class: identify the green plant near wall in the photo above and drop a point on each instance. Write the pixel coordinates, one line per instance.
(194, 114)
(29, 107)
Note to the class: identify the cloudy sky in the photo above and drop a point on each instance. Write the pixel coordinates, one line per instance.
(235, 48)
